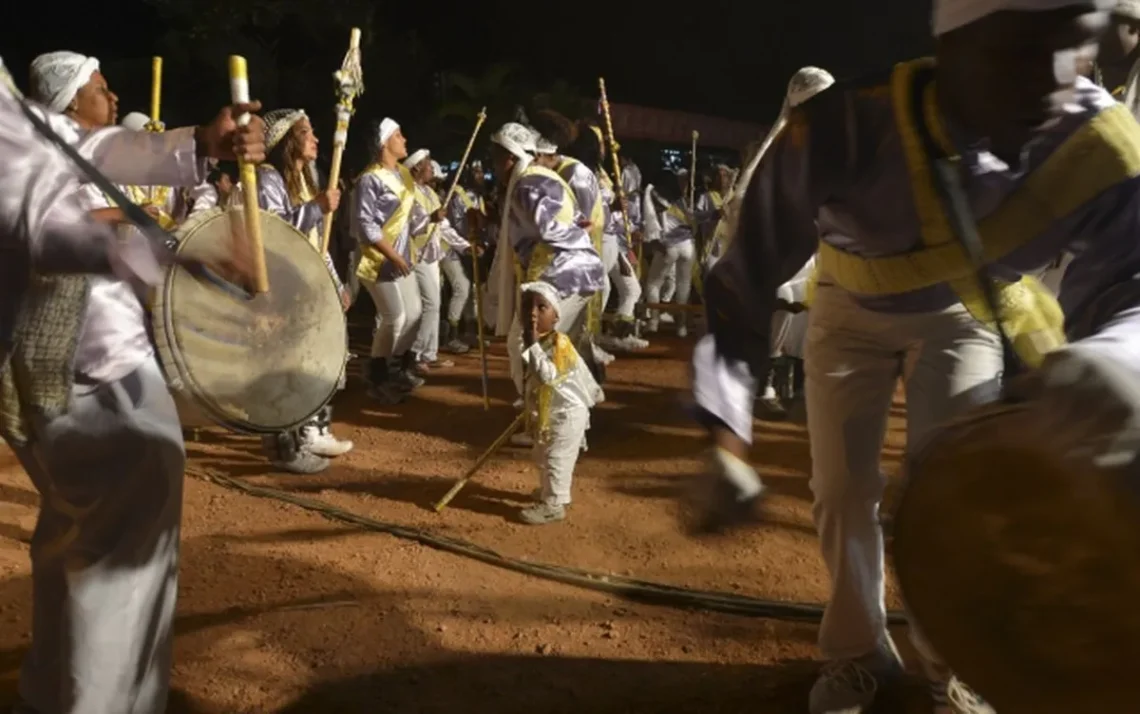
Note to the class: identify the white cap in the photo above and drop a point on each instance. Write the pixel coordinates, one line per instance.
(385, 131)
(58, 76)
(135, 121)
(1128, 8)
(515, 138)
(952, 14)
(416, 157)
(544, 289)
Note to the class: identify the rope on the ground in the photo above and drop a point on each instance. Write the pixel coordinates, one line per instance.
(633, 589)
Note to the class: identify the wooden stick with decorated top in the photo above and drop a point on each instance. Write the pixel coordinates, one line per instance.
(349, 85)
(239, 94)
(619, 188)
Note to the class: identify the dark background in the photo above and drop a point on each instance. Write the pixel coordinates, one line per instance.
(431, 65)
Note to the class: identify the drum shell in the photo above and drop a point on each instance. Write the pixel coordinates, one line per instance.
(262, 365)
(1018, 557)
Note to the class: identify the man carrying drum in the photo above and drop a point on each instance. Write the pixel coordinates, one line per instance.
(1049, 162)
(84, 402)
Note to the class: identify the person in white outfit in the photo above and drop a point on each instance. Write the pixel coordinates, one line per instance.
(560, 391)
(849, 179)
(461, 303)
(675, 252)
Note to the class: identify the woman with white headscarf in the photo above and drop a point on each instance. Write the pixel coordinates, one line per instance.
(429, 246)
(540, 235)
(287, 186)
(383, 218)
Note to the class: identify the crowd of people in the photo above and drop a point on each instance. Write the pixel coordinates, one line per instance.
(841, 212)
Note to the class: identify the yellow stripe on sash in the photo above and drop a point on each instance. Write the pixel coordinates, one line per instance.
(405, 189)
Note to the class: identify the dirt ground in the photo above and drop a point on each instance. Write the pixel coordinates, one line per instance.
(281, 610)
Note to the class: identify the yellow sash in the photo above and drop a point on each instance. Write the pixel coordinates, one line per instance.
(565, 358)
(405, 189)
(1102, 153)
(156, 196)
(543, 255)
(429, 201)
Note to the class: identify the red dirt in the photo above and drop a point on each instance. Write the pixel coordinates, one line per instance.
(284, 611)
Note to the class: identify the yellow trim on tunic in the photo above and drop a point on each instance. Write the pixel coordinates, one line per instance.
(405, 189)
(1102, 153)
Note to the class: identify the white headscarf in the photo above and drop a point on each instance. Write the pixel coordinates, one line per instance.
(1128, 8)
(437, 170)
(135, 121)
(952, 14)
(516, 139)
(544, 289)
(544, 146)
(415, 158)
(384, 132)
(58, 76)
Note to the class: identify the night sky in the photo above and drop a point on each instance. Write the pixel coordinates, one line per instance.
(726, 58)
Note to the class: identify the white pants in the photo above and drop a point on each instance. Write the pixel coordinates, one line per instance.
(105, 549)
(557, 455)
(572, 316)
(452, 268)
(676, 260)
(426, 345)
(853, 360)
(628, 288)
(398, 314)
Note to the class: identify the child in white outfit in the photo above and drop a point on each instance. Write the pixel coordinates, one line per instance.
(559, 393)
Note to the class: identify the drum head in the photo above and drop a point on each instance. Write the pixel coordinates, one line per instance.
(261, 365)
(1019, 561)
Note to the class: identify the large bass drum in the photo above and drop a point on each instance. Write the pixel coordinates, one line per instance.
(259, 365)
(1017, 552)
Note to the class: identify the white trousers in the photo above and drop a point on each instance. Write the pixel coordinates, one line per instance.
(854, 358)
(427, 336)
(572, 316)
(398, 314)
(105, 549)
(676, 261)
(452, 269)
(558, 454)
(628, 287)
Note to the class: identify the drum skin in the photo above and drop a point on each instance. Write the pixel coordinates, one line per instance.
(1018, 557)
(258, 365)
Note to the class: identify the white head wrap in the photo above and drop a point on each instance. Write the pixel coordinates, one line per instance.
(516, 139)
(952, 14)
(1128, 8)
(416, 158)
(278, 123)
(135, 121)
(544, 146)
(806, 83)
(437, 170)
(58, 76)
(546, 290)
(385, 131)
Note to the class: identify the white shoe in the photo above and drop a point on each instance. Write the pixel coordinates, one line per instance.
(602, 356)
(521, 439)
(542, 514)
(849, 686)
(321, 442)
(666, 318)
(651, 326)
(682, 331)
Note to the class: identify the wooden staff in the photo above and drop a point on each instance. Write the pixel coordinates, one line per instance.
(693, 172)
(462, 165)
(498, 444)
(349, 85)
(155, 89)
(239, 94)
(618, 187)
(472, 238)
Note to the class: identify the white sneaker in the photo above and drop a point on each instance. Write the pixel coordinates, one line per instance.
(682, 330)
(521, 439)
(849, 686)
(321, 442)
(666, 319)
(602, 356)
(954, 696)
(651, 326)
(542, 514)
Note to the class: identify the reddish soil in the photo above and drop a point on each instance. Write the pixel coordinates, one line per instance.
(284, 611)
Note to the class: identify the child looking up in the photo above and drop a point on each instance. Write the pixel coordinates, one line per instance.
(559, 392)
